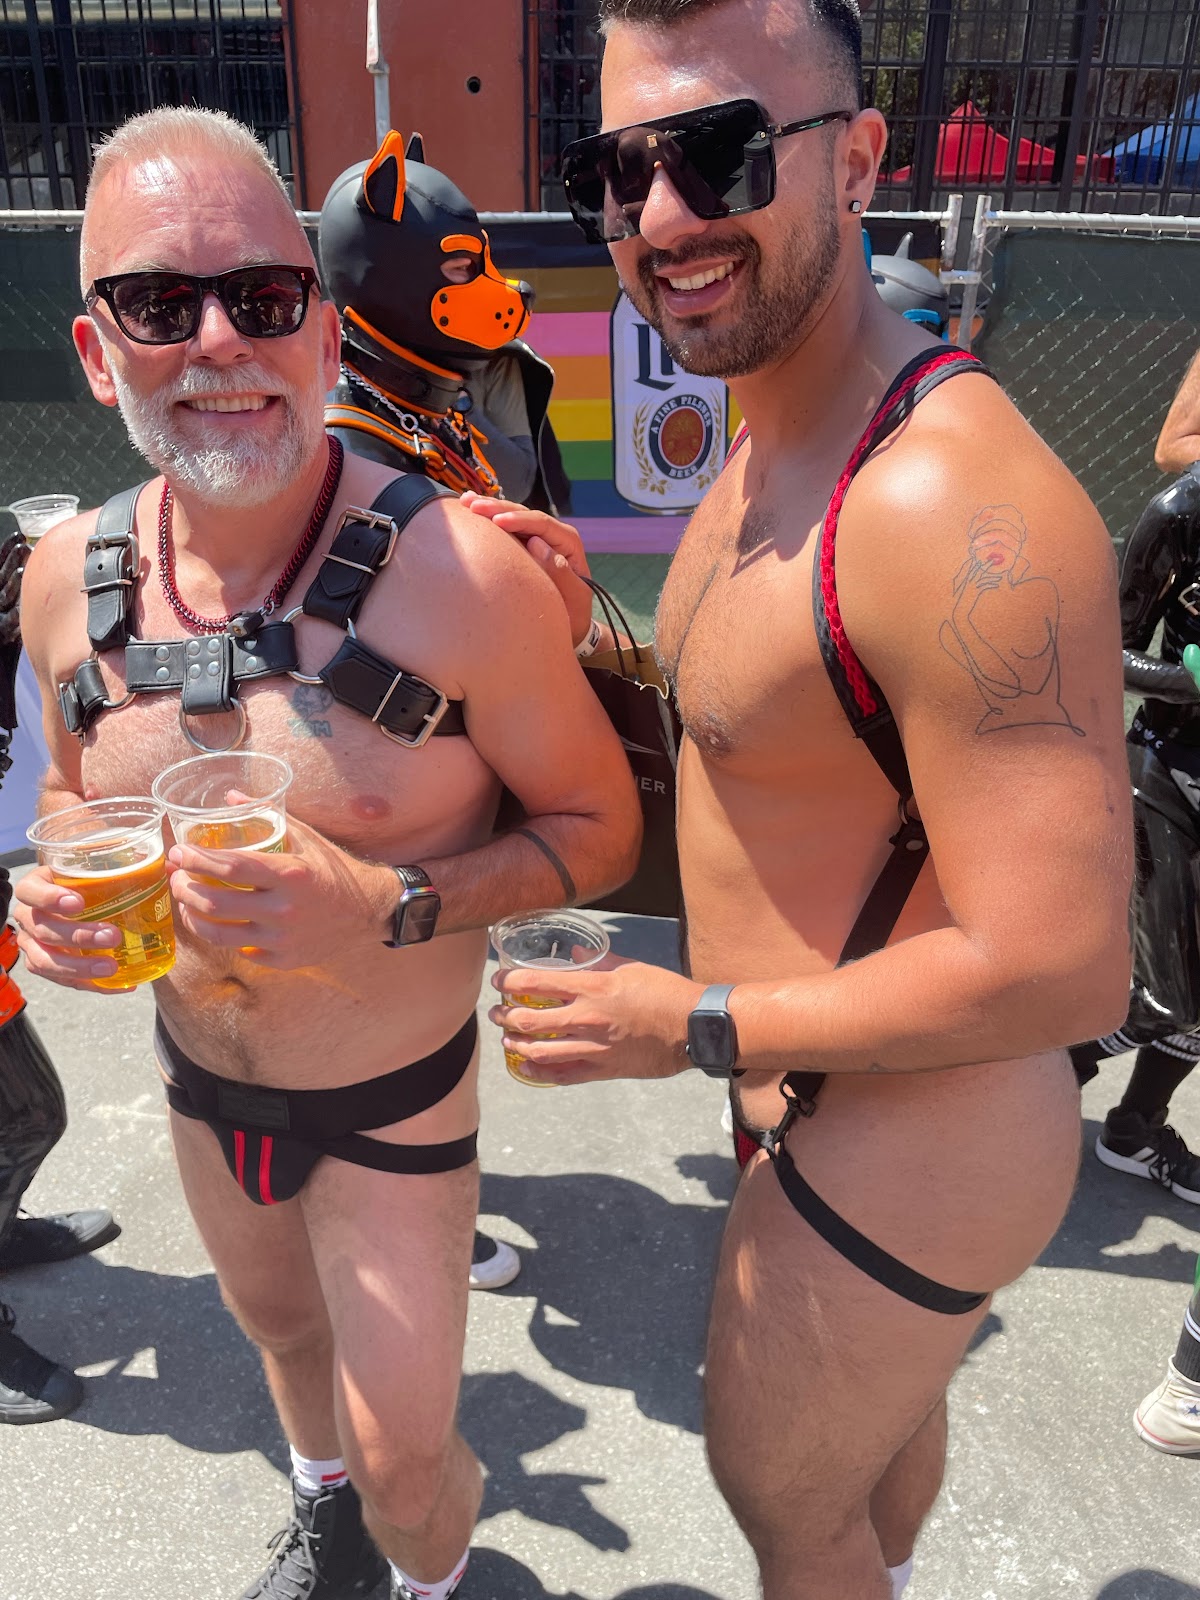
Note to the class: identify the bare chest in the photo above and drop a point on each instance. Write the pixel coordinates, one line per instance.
(351, 783)
(735, 633)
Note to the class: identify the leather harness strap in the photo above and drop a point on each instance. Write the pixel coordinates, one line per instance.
(207, 671)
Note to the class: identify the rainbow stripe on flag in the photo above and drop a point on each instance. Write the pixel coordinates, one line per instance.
(571, 330)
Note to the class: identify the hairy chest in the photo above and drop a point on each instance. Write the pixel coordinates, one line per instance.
(734, 630)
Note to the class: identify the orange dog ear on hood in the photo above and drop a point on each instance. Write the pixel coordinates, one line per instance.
(383, 181)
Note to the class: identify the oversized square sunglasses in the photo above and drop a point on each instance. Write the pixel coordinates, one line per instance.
(720, 158)
(267, 302)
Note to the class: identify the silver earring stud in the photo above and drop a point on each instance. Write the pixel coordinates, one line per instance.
(856, 206)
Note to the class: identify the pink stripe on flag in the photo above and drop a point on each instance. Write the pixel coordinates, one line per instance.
(629, 536)
(570, 333)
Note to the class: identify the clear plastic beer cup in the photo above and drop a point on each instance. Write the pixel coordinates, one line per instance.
(545, 941)
(38, 513)
(111, 853)
(235, 800)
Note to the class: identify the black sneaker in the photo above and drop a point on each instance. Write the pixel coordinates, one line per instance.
(493, 1263)
(1149, 1147)
(35, 1241)
(32, 1388)
(324, 1553)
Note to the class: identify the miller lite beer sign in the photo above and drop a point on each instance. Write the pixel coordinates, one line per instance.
(668, 427)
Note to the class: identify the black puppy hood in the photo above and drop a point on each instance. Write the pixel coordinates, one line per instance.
(387, 227)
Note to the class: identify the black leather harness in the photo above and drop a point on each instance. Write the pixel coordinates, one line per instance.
(209, 670)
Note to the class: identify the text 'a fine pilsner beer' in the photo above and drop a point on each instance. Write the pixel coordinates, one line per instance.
(125, 883)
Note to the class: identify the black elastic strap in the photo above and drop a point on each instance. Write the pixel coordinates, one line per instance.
(886, 900)
(377, 1154)
(860, 1252)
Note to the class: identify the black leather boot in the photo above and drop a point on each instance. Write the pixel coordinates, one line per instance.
(324, 1553)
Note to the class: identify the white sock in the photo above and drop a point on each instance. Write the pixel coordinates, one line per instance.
(900, 1576)
(433, 1591)
(318, 1477)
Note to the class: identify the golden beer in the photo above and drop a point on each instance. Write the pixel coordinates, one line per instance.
(266, 831)
(543, 941)
(535, 1002)
(111, 854)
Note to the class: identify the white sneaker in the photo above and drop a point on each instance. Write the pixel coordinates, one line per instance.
(1169, 1419)
(493, 1263)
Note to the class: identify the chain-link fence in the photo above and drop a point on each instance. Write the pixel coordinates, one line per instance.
(1090, 322)
(1089, 330)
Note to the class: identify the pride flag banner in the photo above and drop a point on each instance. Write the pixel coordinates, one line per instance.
(641, 440)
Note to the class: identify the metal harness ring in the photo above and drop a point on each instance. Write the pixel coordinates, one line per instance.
(215, 749)
(351, 633)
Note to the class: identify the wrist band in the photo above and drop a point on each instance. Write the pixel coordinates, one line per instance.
(591, 642)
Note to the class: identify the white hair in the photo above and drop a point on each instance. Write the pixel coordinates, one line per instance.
(175, 130)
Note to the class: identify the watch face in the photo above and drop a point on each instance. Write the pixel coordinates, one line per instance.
(710, 1039)
(420, 918)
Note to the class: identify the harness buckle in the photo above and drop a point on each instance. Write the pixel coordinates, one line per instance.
(430, 720)
(369, 519)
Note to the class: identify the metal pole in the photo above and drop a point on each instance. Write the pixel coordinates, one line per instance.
(951, 222)
(972, 277)
(929, 105)
(1076, 84)
(378, 68)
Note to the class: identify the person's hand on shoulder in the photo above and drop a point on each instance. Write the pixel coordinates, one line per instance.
(554, 545)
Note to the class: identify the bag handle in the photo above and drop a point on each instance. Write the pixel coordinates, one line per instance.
(610, 607)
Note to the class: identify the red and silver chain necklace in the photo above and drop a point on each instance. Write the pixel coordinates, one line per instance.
(166, 561)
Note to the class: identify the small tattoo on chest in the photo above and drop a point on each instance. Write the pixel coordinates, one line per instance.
(309, 700)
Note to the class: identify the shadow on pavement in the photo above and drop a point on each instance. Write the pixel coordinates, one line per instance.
(1109, 1208)
(504, 1416)
(1146, 1585)
(209, 1392)
(623, 1300)
(500, 1577)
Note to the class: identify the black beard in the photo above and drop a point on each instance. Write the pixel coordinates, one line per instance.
(775, 317)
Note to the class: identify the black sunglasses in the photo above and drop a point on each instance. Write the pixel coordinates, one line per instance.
(720, 158)
(164, 307)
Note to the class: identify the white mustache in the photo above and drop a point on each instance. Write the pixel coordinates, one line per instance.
(207, 383)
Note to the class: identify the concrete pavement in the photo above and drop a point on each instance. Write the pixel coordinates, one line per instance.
(581, 1393)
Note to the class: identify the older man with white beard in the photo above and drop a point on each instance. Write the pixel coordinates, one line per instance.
(318, 1045)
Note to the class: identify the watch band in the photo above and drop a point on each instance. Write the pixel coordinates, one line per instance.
(715, 997)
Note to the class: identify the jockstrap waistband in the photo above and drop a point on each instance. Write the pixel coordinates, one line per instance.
(272, 1138)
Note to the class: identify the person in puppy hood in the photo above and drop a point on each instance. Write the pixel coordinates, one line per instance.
(435, 377)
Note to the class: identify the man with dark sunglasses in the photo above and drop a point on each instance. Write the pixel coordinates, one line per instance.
(879, 956)
(318, 1043)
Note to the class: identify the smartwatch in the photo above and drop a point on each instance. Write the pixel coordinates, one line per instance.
(415, 917)
(711, 1036)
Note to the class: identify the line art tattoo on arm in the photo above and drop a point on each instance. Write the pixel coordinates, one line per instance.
(1003, 628)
